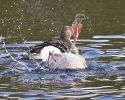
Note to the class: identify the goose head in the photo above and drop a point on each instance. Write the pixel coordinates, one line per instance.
(66, 33)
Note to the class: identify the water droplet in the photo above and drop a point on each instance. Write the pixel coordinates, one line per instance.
(52, 23)
(117, 21)
(29, 29)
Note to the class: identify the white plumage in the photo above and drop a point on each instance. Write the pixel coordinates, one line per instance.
(69, 61)
(49, 49)
(44, 54)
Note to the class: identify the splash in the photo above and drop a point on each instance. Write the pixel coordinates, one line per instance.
(82, 18)
(14, 59)
(19, 65)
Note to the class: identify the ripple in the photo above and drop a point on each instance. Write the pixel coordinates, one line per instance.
(108, 97)
(90, 40)
(99, 45)
(92, 53)
(109, 37)
(33, 42)
(16, 45)
(1, 38)
(4, 55)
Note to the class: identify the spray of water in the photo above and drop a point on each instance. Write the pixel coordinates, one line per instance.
(14, 59)
(83, 18)
(35, 62)
(24, 67)
(79, 18)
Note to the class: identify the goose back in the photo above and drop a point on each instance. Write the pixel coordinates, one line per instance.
(63, 46)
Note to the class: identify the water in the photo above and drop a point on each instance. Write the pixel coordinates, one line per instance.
(101, 42)
(102, 81)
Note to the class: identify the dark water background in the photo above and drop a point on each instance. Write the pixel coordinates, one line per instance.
(24, 23)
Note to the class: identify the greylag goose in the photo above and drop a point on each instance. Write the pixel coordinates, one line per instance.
(61, 53)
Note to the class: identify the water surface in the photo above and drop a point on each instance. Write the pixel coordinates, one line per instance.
(25, 23)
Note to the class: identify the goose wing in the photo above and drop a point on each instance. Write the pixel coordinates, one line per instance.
(64, 46)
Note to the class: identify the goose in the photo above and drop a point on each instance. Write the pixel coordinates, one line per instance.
(61, 52)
